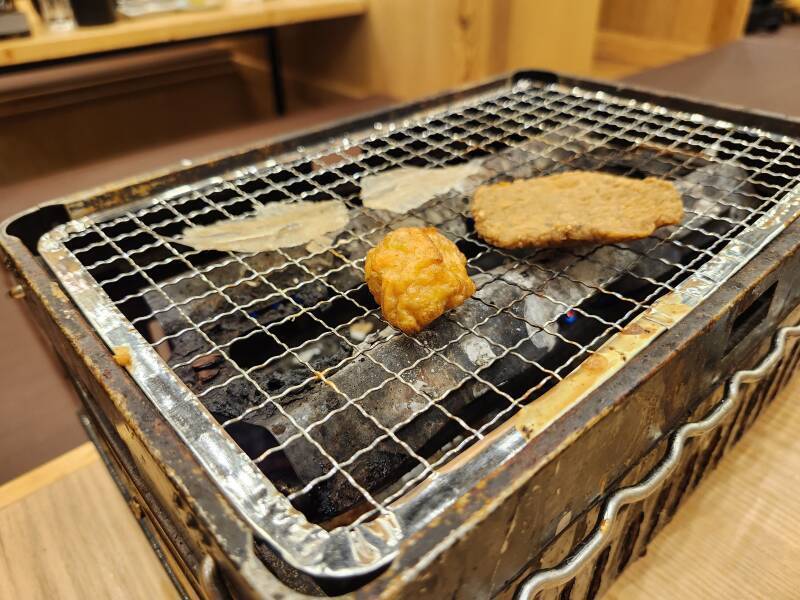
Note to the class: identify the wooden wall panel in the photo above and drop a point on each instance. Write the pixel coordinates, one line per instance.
(693, 22)
(729, 21)
(557, 36)
(649, 34)
(410, 48)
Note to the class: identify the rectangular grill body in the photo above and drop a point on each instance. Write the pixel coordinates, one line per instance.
(523, 423)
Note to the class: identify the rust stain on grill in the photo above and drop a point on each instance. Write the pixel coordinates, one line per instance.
(56, 290)
(596, 369)
(634, 329)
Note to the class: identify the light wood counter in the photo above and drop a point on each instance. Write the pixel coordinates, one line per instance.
(66, 532)
(130, 33)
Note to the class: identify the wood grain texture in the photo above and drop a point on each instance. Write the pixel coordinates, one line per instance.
(738, 536)
(128, 102)
(551, 35)
(74, 537)
(643, 52)
(604, 68)
(410, 48)
(659, 32)
(45, 45)
(694, 22)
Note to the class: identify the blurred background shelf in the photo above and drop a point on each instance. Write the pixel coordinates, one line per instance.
(45, 45)
(121, 82)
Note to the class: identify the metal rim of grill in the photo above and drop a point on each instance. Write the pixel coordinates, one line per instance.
(745, 196)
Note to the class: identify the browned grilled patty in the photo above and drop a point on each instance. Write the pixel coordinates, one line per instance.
(578, 206)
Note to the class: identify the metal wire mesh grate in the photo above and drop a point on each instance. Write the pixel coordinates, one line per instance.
(288, 350)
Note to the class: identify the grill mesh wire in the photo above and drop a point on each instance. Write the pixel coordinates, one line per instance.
(299, 303)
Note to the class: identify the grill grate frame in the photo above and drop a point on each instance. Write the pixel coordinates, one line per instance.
(680, 140)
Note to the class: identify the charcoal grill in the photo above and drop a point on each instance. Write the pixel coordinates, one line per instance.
(276, 437)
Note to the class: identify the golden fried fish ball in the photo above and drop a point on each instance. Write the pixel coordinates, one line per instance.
(416, 274)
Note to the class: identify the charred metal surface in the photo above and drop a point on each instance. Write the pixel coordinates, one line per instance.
(642, 521)
(173, 479)
(577, 461)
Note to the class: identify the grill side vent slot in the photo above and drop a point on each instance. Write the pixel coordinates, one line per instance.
(750, 317)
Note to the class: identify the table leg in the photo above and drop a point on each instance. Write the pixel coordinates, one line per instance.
(274, 56)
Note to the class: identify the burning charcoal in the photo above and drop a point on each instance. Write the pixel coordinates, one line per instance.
(406, 401)
(415, 387)
(205, 362)
(205, 375)
(398, 400)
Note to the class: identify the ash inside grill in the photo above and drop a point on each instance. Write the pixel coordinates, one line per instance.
(288, 351)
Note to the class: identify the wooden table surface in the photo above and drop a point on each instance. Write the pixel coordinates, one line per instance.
(65, 531)
(171, 27)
